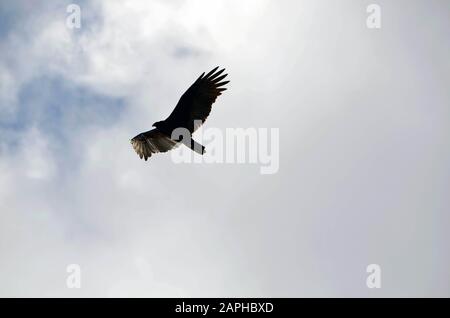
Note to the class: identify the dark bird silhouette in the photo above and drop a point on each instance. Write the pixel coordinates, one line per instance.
(190, 113)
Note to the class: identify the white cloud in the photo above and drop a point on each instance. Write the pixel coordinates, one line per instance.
(36, 156)
(363, 163)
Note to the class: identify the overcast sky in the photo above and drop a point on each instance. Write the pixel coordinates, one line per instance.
(364, 149)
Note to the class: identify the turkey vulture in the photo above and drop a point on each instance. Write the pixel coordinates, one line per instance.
(190, 113)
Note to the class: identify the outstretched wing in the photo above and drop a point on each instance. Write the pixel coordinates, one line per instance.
(196, 102)
(151, 142)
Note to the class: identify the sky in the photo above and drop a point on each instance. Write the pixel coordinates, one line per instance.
(364, 149)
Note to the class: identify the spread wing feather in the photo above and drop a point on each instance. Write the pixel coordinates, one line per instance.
(151, 142)
(196, 102)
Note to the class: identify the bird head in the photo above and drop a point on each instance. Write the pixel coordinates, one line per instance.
(158, 124)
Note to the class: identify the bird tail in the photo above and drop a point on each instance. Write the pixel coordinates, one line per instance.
(195, 146)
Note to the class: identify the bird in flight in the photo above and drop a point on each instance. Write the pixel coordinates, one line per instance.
(189, 114)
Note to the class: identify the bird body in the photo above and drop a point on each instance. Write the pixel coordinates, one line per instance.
(190, 113)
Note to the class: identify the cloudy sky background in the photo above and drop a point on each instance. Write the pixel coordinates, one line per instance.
(364, 174)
